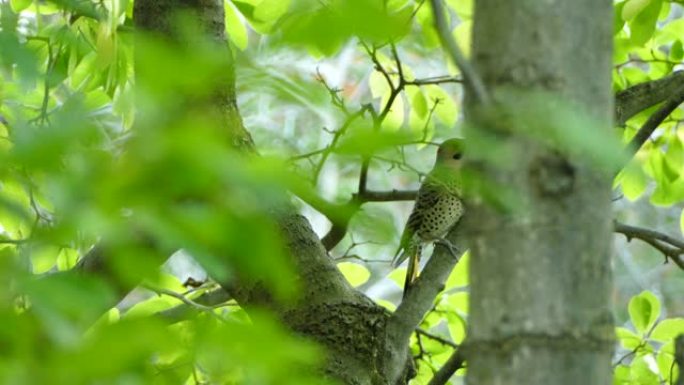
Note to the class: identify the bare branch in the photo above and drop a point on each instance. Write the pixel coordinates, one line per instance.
(210, 299)
(187, 301)
(437, 338)
(470, 76)
(454, 363)
(672, 248)
(672, 102)
(336, 137)
(339, 228)
(628, 354)
(434, 80)
(387, 196)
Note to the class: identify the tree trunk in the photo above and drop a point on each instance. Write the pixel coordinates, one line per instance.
(351, 327)
(540, 269)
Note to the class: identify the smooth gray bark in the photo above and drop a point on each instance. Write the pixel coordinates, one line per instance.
(540, 309)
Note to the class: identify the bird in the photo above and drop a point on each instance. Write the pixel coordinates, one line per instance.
(438, 207)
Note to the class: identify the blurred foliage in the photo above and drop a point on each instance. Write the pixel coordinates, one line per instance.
(322, 86)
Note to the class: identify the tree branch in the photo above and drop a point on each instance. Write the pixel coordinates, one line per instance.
(454, 363)
(672, 102)
(637, 98)
(437, 338)
(434, 80)
(339, 227)
(426, 288)
(187, 301)
(209, 299)
(387, 196)
(672, 248)
(470, 76)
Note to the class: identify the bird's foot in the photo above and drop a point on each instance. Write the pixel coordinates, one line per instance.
(453, 250)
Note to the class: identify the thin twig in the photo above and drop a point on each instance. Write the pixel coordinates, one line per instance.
(672, 248)
(628, 354)
(434, 80)
(185, 300)
(437, 338)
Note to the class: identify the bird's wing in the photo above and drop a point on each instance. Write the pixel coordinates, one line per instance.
(428, 196)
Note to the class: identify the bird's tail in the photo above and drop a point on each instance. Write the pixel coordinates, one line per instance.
(413, 255)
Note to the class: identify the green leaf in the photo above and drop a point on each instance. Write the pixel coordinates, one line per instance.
(674, 157)
(459, 276)
(419, 103)
(83, 71)
(378, 85)
(644, 310)
(462, 34)
(457, 327)
(398, 276)
(671, 32)
(618, 21)
(681, 222)
(621, 375)
(420, 120)
(386, 304)
(632, 8)
(666, 365)
(267, 12)
(362, 139)
(43, 258)
(621, 49)
(66, 259)
(644, 24)
(427, 27)
(80, 8)
(151, 306)
(396, 116)
(633, 180)
(236, 30)
(326, 26)
(356, 274)
(20, 5)
(628, 339)
(463, 8)
(677, 51)
(458, 302)
(167, 281)
(371, 222)
(668, 329)
(641, 373)
(270, 10)
(68, 302)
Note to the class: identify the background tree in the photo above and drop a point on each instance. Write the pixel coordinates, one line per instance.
(100, 187)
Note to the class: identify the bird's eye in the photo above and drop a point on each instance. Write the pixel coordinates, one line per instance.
(457, 155)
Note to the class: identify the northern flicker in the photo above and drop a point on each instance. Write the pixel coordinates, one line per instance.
(438, 207)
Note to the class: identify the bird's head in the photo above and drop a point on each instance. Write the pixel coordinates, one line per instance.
(449, 154)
